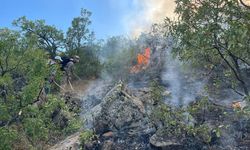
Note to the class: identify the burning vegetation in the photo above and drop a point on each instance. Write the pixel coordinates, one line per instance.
(143, 61)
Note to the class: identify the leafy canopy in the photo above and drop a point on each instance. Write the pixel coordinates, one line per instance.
(214, 36)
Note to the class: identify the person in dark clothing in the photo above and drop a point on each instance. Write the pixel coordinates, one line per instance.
(64, 62)
(69, 70)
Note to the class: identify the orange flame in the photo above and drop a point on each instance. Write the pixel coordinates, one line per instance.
(238, 104)
(142, 61)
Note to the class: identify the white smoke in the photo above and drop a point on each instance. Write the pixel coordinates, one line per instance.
(182, 92)
(183, 84)
(92, 98)
(146, 13)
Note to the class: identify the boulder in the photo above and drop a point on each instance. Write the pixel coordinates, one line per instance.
(119, 111)
(165, 143)
(73, 101)
(124, 115)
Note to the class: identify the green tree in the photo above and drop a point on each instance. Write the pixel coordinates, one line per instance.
(214, 35)
(79, 35)
(118, 54)
(22, 70)
(47, 37)
(89, 65)
(81, 41)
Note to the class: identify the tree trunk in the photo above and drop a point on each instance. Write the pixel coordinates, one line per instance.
(243, 84)
(236, 70)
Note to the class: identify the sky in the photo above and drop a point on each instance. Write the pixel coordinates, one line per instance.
(109, 17)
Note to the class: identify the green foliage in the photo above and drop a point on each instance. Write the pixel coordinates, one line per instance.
(46, 37)
(156, 92)
(23, 70)
(119, 64)
(118, 53)
(179, 123)
(244, 114)
(86, 136)
(213, 36)
(218, 131)
(199, 106)
(202, 132)
(89, 65)
(74, 125)
(35, 128)
(171, 120)
(204, 109)
(4, 113)
(79, 35)
(38, 123)
(7, 138)
(52, 104)
(81, 41)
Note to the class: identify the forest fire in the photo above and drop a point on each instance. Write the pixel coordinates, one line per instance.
(143, 61)
(158, 74)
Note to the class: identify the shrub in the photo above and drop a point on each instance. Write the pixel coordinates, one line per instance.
(74, 125)
(89, 64)
(7, 138)
(86, 136)
(36, 129)
(156, 92)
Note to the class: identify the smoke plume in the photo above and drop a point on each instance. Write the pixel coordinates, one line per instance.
(146, 13)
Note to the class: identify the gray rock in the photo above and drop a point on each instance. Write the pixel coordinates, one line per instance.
(108, 145)
(124, 116)
(73, 101)
(161, 142)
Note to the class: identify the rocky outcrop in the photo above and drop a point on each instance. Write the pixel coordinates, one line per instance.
(70, 143)
(61, 118)
(165, 143)
(73, 101)
(122, 122)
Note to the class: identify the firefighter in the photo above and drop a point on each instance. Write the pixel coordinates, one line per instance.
(69, 71)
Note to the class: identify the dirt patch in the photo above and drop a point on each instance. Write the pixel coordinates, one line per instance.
(79, 86)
